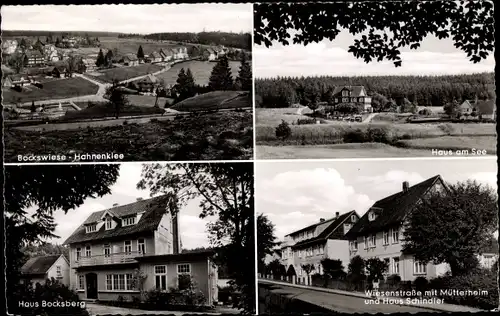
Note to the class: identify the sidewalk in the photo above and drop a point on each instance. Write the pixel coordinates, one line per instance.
(436, 307)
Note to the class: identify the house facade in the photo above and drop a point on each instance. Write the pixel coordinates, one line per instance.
(209, 54)
(39, 269)
(50, 53)
(180, 53)
(478, 109)
(111, 247)
(34, 58)
(130, 60)
(166, 55)
(352, 94)
(322, 240)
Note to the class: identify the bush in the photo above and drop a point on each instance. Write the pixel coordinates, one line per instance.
(421, 284)
(378, 135)
(356, 136)
(283, 130)
(306, 121)
(393, 279)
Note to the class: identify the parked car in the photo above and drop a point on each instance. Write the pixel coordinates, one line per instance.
(358, 119)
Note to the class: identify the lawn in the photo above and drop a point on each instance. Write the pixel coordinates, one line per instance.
(124, 73)
(215, 100)
(147, 100)
(273, 117)
(105, 110)
(217, 136)
(454, 143)
(201, 71)
(131, 45)
(55, 89)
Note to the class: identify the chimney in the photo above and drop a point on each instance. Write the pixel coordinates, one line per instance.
(115, 204)
(139, 199)
(406, 186)
(337, 214)
(321, 220)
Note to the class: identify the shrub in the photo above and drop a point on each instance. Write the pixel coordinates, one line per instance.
(393, 279)
(125, 122)
(421, 284)
(356, 136)
(283, 130)
(306, 121)
(378, 135)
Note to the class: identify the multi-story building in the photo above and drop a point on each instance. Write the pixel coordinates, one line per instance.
(112, 247)
(34, 58)
(312, 244)
(180, 52)
(352, 94)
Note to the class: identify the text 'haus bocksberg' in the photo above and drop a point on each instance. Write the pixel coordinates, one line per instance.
(377, 234)
(113, 249)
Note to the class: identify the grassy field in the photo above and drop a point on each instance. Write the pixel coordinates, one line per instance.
(218, 136)
(131, 45)
(215, 100)
(272, 117)
(55, 89)
(201, 71)
(124, 73)
(146, 100)
(105, 110)
(488, 143)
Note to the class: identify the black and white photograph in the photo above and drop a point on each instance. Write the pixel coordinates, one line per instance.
(376, 79)
(130, 239)
(115, 83)
(375, 236)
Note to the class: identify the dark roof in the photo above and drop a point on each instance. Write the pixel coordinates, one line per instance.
(39, 265)
(33, 53)
(355, 90)
(330, 229)
(178, 257)
(485, 106)
(392, 209)
(155, 55)
(130, 57)
(154, 209)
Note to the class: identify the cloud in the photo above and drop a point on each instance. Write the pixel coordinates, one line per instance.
(193, 231)
(321, 59)
(391, 181)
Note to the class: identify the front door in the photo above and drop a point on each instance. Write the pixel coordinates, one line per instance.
(91, 279)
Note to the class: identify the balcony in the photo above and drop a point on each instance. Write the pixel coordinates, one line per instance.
(114, 258)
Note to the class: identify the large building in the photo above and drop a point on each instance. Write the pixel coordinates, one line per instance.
(111, 246)
(353, 95)
(322, 240)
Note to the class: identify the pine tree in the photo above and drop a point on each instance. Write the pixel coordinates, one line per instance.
(221, 78)
(100, 59)
(245, 74)
(140, 52)
(109, 57)
(185, 85)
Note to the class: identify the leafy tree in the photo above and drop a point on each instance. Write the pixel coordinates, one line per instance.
(16, 61)
(49, 189)
(308, 268)
(379, 102)
(140, 52)
(356, 270)
(117, 99)
(58, 42)
(452, 108)
(470, 24)
(44, 249)
(333, 268)
(266, 239)
(221, 78)
(375, 269)
(244, 79)
(291, 271)
(101, 61)
(452, 226)
(275, 268)
(283, 130)
(225, 192)
(23, 44)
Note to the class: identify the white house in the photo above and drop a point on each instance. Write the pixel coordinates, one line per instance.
(39, 269)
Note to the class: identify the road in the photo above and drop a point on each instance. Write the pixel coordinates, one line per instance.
(98, 309)
(340, 303)
(369, 118)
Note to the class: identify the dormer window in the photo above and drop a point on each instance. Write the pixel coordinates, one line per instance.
(91, 228)
(353, 218)
(371, 216)
(345, 93)
(127, 221)
(109, 223)
(347, 227)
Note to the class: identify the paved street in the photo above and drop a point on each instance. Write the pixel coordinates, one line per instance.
(97, 309)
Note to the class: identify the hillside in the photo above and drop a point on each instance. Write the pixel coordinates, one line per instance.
(215, 100)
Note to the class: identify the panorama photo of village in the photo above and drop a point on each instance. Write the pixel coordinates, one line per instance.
(358, 88)
(91, 86)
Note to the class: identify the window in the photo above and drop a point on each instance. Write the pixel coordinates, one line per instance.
(361, 100)
(128, 279)
(345, 99)
(353, 99)
(184, 276)
(371, 216)
(78, 253)
(353, 218)
(109, 222)
(336, 100)
(127, 221)
(366, 242)
(419, 267)
(373, 241)
(141, 246)
(109, 282)
(395, 265)
(58, 271)
(81, 282)
(184, 268)
(88, 251)
(346, 228)
(387, 264)
(386, 238)
(119, 282)
(395, 236)
(107, 250)
(91, 228)
(161, 277)
(354, 245)
(128, 246)
(345, 93)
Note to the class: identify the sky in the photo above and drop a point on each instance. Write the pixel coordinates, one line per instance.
(192, 228)
(121, 18)
(434, 57)
(296, 194)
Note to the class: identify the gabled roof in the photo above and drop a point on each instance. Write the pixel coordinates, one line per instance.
(155, 55)
(332, 228)
(355, 90)
(149, 79)
(33, 53)
(131, 57)
(485, 106)
(39, 265)
(392, 210)
(468, 104)
(153, 209)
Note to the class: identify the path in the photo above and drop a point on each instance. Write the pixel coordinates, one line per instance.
(98, 309)
(369, 118)
(348, 302)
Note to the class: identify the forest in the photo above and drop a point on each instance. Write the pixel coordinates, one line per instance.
(236, 40)
(36, 33)
(281, 92)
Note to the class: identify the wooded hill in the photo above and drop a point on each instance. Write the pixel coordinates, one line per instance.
(419, 90)
(236, 40)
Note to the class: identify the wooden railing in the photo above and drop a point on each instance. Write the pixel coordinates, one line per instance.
(114, 258)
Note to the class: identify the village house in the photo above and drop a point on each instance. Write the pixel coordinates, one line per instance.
(112, 245)
(209, 54)
(489, 254)
(180, 53)
(147, 84)
(50, 52)
(89, 64)
(480, 109)
(9, 46)
(59, 72)
(15, 80)
(166, 54)
(39, 269)
(322, 240)
(34, 58)
(130, 60)
(155, 57)
(352, 94)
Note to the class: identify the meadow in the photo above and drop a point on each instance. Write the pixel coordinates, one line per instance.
(201, 71)
(125, 73)
(215, 100)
